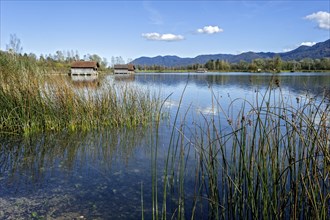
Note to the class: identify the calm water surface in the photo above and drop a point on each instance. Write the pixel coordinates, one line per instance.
(102, 175)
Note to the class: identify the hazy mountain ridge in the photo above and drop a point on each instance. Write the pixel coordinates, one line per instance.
(318, 51)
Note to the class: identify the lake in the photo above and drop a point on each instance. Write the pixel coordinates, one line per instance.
(109, 174)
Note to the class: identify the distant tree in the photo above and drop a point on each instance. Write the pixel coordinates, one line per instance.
(260, 64)
(129, 60)
(243, 65)
(218, 65)
(32, 56)
(59, 56)
(50, 58)
(317, 64)
(253, 67)
(325, 64)
(119, 60)
(210, 65)
(96, 58)
(277, 62)
(14, 45)
(77, 57)
(307, 64)
(104, 63)
(224, 65)
(41, 58)
(68, 57)
(296, 65)
(112, 62)
(269, 65)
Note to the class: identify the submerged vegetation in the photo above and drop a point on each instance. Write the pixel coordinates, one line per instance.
(32, 102)
(270, 161)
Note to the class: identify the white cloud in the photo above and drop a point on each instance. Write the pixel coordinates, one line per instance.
(287, 50)
(209, 30)
(308, 44)
(292, 47)
(322, 18)
(162, 37)
(207, 110)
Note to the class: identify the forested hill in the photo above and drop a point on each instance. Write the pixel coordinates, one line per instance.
(318, 51)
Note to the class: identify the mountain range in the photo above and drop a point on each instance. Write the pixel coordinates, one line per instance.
(317, 51)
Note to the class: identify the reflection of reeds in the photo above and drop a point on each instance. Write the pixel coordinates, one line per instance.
(271, 161)
(41, 154)
(31, 103)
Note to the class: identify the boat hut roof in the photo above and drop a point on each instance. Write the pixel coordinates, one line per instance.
(130, 67)
(85, 64)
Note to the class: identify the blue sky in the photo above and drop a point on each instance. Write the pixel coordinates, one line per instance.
(149, 28)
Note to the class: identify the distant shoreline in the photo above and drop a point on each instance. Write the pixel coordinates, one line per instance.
(214, 71)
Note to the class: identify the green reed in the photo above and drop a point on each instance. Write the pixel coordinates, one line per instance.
(270, 160)
(31, 102)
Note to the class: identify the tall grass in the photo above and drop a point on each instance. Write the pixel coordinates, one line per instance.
(31, 102)
(271, 160)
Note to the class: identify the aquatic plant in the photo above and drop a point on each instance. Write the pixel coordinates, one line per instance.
(270, 160)
(32, 102)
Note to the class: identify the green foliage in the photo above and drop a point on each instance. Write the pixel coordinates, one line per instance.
(271, 161)
(31, 102)
(257, 65)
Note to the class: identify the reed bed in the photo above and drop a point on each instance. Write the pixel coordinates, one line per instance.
(31, 102)
(270, 160)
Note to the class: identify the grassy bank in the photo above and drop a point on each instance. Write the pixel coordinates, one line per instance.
(270, 161)
(32, 102)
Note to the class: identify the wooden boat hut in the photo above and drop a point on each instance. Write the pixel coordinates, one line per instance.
(124, 69)
(84, 68)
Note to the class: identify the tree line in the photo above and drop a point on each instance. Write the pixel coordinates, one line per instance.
(61, 59)
(257, 65)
